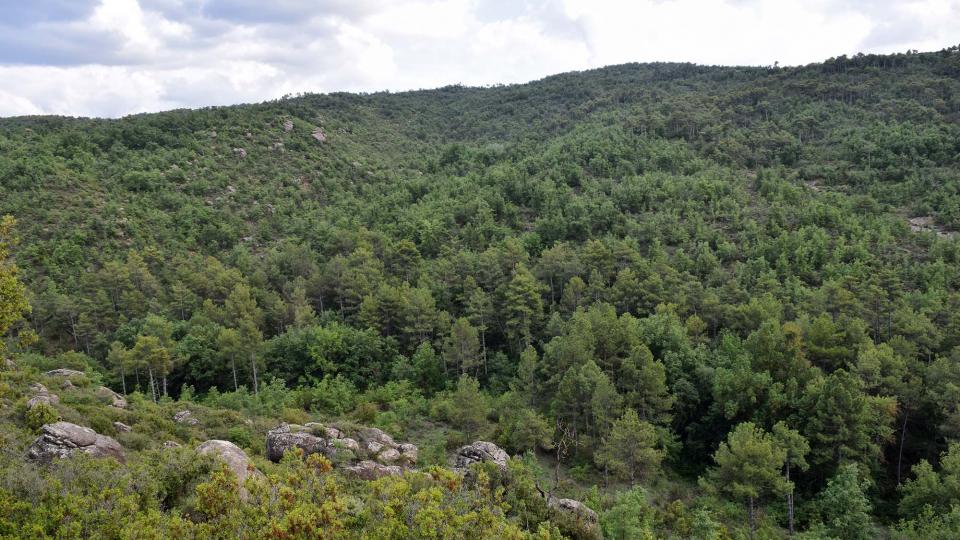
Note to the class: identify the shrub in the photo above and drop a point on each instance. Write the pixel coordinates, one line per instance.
(40, 415)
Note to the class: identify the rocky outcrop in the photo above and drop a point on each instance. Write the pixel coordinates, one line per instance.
(371, 470)
(42, 395)
(121, 427)
(366, 445)
(63, 439)
(319, 135)
(64, 372)
(116, 400)
(480, 452)
(288, 126)
(576, 509)
(235, 458)
(287, 437)
(239, 153)
(185, 417)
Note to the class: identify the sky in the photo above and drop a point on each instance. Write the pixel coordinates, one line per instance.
(110, 58)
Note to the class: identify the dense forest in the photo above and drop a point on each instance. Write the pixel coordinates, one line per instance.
(704, 302)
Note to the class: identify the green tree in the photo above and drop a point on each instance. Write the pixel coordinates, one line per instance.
(461, 350)
(13, 296)
(630, 450)
(797, 448)
(843, 506)
(522, 306)
(748, 466)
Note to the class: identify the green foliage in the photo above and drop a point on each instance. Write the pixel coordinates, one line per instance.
(41, 414)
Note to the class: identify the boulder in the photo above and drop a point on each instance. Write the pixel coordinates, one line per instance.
(64, 372)
(371, 470)
(63, 439)
(577, 509)
(319, 135)
(121, 427)
(170, 444)
(287, 437)
(409, 453)
(480, 452)
(45, 398)
(288, 126)
(240, 153)
(185, 417)
(116, 400)
(42, 395)
(235, 458)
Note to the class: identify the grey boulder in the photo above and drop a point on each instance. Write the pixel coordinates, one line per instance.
(63, 439)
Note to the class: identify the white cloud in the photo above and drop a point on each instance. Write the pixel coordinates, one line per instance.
(116, 57)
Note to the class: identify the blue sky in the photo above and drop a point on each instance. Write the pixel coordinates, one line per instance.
(117, 57)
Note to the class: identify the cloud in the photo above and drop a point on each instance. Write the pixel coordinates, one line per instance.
(116, 57)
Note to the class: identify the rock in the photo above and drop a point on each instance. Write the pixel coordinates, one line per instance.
(235, 458)
(248, 135)
(409, 453)
(45, 398)
(63, 439)
(42, 395)
(332, 432)
(577, 509)
(374, 447)
(170, 444)
(388, 456)
(185, 417)
(371, 470)
(277, 146)
(67, 385)
(345, 443)
(287, 126)
(287, 437)
(480, 451)
(116, 400)
(213, 134)
(319, 135)
(372, 434)
(9, 364)
(64, 372)
(121, 427)
(240, 153)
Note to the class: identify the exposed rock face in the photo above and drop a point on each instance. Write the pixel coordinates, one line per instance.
(479, 452)
(287, 437)
(185, 417)
(42, 395)
(319, 135)
(235, 458)
(371, 470)
(63, 439)
(288, 126)
(121, 427)
(116, 399)
(370, 444)
(64, 372)
(575, 508)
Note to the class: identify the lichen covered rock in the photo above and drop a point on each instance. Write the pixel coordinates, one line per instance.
(63, 439)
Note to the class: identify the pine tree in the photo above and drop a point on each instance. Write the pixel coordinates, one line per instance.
(13, 295)
(629, 450)
(748, 466)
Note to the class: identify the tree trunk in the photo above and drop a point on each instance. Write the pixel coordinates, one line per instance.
(153, 386)
(253, 365)
(233, 368)
(789, 504)
(753, 524)
(903, 436)
(123, 379)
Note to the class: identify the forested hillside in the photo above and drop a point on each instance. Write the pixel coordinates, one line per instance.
(708, 302)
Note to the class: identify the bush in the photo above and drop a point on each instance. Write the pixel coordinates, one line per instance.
(40, 415)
